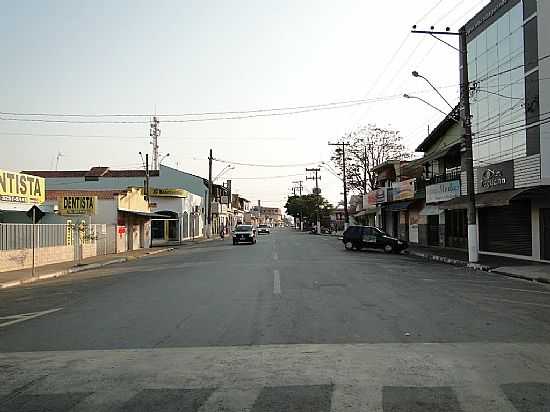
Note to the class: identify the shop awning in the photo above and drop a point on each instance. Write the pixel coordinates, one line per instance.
(365, 212)
(491, 199)
(429, 210)
(145, 214)
(23, 207)
(396, 207)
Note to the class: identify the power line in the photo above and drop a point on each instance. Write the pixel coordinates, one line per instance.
(265, 165)
(211, 113)
(266, 177)
(510, 69)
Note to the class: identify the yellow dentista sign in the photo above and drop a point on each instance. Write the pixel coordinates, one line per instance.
(167, 192)
(77, 205)
(21, 188)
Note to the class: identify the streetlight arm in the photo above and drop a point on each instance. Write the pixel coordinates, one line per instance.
(426, 102)
(416, 74)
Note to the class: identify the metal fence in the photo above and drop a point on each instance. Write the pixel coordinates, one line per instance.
(20, 235)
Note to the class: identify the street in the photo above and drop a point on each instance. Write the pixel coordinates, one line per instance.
(293, 323)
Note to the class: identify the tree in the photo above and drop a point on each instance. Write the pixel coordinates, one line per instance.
(308, 207)
(369, 146)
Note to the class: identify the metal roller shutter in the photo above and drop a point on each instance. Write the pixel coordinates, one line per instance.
(506, 229)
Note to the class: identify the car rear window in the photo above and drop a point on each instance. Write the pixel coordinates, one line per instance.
(243, 228)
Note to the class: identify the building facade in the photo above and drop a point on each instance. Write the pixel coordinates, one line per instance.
(507, 60)
(177, 198)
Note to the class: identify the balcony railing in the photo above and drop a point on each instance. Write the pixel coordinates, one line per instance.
(449, 175)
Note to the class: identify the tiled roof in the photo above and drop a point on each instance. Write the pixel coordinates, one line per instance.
(93, 172)
(101, 194)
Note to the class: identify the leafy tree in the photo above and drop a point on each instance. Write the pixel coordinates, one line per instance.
(308, 207)
(369, 146)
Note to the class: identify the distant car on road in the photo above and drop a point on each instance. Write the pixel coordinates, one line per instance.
(263, 229)
(244, 233)
(359, 237)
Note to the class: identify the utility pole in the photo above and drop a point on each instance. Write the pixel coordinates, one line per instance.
(209, 224)
(300, 187)
(317, 193)
(147, 178)
(365, 184)
(473, 247)
(346, 214)
(467, 152)
(154, 132)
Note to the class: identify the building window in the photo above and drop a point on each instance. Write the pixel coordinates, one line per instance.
(495, 68)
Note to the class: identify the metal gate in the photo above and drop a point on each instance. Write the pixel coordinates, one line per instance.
(506, 229)
(545, 233)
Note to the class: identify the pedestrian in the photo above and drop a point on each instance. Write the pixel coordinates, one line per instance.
(222, 231)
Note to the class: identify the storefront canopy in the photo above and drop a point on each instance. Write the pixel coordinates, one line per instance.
(396, 207)
(150, 215)
(491, 199)
(23, 207)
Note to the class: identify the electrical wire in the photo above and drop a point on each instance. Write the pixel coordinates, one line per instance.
(266, 177)
(265, 165)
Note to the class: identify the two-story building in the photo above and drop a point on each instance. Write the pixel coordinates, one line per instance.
(507, 59)
(391, 199)
(430, 223)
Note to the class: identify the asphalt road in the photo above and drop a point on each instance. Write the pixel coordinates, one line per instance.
(293, 323)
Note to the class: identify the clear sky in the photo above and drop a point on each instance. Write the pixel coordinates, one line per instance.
(174, 57)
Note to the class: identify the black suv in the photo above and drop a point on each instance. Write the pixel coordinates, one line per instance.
(359, 237)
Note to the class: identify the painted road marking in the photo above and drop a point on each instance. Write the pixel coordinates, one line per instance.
(275, 256)
(24, 316)
(276, 282)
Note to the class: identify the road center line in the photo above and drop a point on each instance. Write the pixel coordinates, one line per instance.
(25, 316)
(275, 256)
(276, 282)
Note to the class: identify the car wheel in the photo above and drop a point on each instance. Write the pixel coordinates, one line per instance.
(234, 242)
(388, 248)
(348, 245)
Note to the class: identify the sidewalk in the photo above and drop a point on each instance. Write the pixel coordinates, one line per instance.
(23, 276)
(518, 268)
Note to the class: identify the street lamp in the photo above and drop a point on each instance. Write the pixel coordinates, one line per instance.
(416, 74)
(224, 170)
(473, 245)
(164, 157)
(407, 96)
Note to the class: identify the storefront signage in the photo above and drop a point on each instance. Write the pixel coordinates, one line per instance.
(156, 192)
(21, 188)
(377, 196)
(77, 205)
(499, 176)
(403, 190)
(441, 192)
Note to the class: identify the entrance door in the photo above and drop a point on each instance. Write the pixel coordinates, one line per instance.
(545, 233)
(433, 230)
(395, 224)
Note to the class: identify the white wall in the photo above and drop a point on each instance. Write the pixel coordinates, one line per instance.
(543, 23)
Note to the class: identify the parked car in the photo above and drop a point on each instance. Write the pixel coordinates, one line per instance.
(263, 229)
(359, 237)
(244, 233)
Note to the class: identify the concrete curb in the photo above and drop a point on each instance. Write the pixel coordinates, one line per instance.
(81, 268)
(477, 266)
(450, 261)
(524, 277)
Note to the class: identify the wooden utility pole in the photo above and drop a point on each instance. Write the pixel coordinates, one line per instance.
(346, 214)
(209, 224)
(317, 193)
